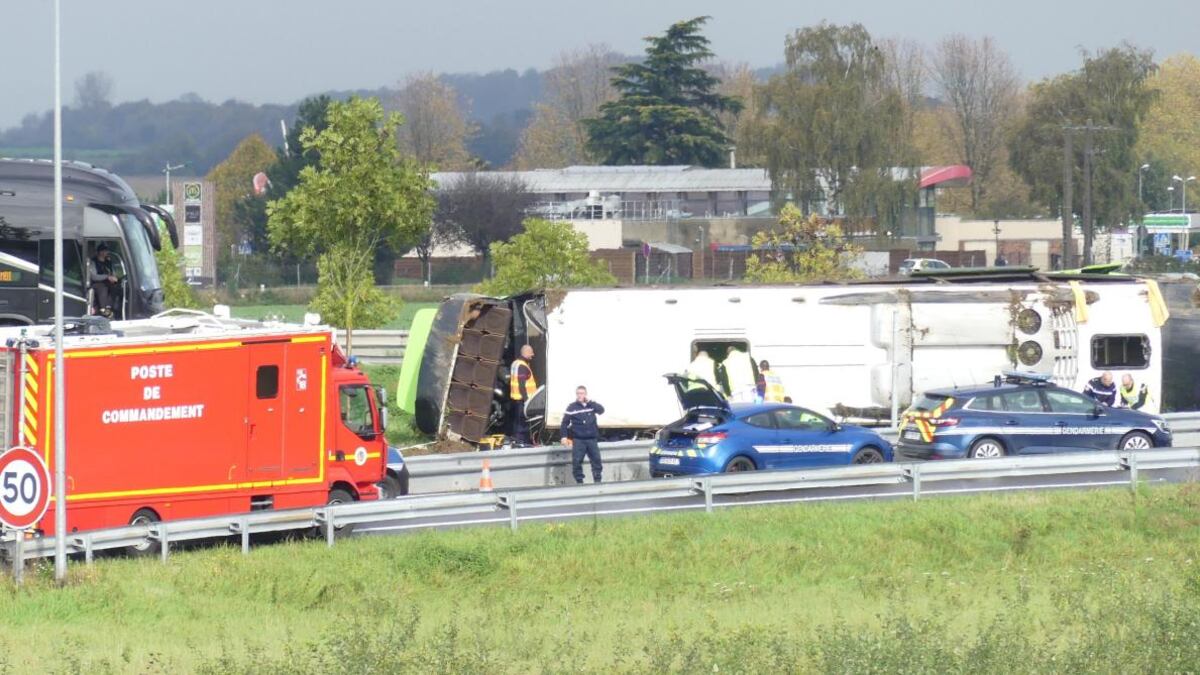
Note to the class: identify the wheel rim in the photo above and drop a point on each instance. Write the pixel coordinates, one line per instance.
(739, 465)
(1137, 442)
(868, 457)
(989, 450)
(142, 520)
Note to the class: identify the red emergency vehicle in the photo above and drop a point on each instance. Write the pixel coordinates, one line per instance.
(188, 416)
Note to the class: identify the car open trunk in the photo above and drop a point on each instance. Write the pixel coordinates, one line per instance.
(703, 408)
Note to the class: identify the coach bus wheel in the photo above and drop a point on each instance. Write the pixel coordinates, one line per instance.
(146, 548)
(1136, 440)
(986, 448)
(740, 464)
(868, 455)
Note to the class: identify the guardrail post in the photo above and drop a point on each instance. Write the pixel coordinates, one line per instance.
(245, 537)
(88, 554)
(1133, 471)
(18, 557)
(330, 530)
(512, 511)
(708, 495)
(166, 543)
(915, 474)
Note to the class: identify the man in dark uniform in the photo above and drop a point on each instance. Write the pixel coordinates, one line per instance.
(1102, 389)
(581, 433)
(102, 280)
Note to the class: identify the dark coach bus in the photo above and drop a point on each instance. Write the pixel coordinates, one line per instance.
(98, 208)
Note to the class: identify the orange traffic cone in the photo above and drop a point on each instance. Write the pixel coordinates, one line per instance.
(485, 478)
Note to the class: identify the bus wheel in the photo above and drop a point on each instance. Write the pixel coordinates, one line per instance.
(146, 548)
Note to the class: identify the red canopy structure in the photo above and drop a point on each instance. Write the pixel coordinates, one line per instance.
(957, 175)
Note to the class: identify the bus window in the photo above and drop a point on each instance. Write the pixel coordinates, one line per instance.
(73, 268)
(18, 263)
(1120, 351)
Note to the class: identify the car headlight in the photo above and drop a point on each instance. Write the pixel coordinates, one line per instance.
(1162, 425)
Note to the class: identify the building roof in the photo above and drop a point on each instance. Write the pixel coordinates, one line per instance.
(634, 179)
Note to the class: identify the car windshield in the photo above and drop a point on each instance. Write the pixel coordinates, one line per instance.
(907, 264)
(927, 402)
(142, 253)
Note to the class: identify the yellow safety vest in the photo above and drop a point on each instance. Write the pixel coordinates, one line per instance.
(1131, 396)
(514, 382)
(774, 392)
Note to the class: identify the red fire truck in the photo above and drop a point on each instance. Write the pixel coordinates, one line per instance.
(188, 415)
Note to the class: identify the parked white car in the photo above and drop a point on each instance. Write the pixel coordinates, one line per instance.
(922, 265)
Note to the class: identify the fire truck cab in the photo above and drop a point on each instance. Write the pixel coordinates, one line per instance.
(187, 415)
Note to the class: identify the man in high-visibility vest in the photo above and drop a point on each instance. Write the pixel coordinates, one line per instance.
(770, 384)
(1129, 395)
(522, 385)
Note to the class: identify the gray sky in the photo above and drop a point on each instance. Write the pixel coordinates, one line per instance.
(277, 51)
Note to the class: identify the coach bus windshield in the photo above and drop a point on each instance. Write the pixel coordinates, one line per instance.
(142, 254)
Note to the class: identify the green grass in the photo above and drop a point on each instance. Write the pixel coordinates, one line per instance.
(1100, 581)
(400, 431)
(295, 313)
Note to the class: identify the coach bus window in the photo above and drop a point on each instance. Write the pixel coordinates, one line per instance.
(1120, 351)
(72, 266)
(18, 262)
(266, 383)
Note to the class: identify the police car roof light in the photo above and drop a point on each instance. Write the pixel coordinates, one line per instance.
(1015, 377)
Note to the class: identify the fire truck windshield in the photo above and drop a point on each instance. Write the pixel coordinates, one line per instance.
(142, 254)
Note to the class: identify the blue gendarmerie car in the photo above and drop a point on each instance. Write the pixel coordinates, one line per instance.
(1020, 414)
(715, 436)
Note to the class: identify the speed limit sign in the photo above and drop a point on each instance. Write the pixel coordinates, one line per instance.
(24, 488)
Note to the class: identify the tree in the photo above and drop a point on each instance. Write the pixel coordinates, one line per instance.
(804, 249)
(435, 130)
(479, 208)
(346, 292)
(573, 90)
(93, 90)
(1170, 132)
(667, 109)
(548, 254)
(975, 79)
(738, 82)
(362, 194)
(176, 292)
(284, 173)
(233, 183)
(1102, 107)
(832, 127)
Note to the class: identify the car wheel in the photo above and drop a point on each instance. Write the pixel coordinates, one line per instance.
(1136, 440)
(339, 496)
(739, 464)
(146, 548)
(868, 455)
(986, 448)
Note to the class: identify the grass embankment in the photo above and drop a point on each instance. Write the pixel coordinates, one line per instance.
(1066, 582)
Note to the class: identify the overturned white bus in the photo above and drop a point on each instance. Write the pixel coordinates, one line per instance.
(858, 351)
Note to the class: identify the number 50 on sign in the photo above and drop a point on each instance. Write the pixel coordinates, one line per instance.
(24, 488)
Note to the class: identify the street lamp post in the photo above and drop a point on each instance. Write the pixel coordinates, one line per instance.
(167, 170)
(59, 367)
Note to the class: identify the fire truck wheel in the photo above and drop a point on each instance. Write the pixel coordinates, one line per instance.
(340, 496)
(144, 517)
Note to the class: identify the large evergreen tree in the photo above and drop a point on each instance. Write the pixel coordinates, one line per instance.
(668, 106)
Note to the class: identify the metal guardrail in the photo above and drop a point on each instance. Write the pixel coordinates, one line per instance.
(380, 347)
(433, 511)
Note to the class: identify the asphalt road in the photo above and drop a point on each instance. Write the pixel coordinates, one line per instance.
(494, 515)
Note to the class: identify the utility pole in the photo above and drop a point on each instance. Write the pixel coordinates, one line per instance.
(1087, 195)
(1068, 212)
(1088, 225)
